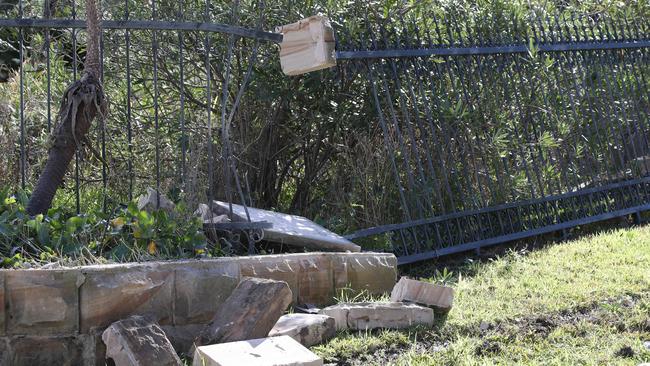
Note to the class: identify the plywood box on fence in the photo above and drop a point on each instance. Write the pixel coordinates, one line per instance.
(308, 45)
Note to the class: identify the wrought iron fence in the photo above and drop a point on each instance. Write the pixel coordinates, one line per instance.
(494, 130)
(152, 69)
(497, 132)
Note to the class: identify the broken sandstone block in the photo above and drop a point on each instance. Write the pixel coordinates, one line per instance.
(249, 312)
(136, 341)
(423, 293)
(150, 201)
(392, 315)
(275, 351)
(308, 329)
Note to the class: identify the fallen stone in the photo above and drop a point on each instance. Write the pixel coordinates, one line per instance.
(275, 351)
(136, 341)
(423, 293)
(149, 201)
(308, 329)
(250, 312)
(646, 344)
(289, 229)
(209, 217)
(365, 316)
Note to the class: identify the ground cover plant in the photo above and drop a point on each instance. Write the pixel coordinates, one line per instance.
(125, 234)
(585, 302)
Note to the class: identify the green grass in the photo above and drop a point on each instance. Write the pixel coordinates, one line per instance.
(584, 302)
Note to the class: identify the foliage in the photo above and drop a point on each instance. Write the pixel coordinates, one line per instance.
(127, 234)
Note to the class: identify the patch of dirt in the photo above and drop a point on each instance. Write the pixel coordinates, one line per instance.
(488, 348)
(625, 352)
(542, 326)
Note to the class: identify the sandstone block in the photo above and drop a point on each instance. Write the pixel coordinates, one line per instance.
(274, 267)
(276, 351)
(41, 302)
(423, 293)
(201, 287)
(111, 293)
(5, 351)
(308, 329)
(373, 272)
(137, 341)
(364, 316)
(250, 312)
(315, 279)
(42, 351)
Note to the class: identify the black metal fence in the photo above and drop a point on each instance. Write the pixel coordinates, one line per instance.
(494, 130)
(504, 131)
(171, 103)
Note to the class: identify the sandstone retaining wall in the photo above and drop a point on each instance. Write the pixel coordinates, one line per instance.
(56, 316)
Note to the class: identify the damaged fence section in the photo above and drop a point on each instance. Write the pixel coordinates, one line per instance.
(57, 316)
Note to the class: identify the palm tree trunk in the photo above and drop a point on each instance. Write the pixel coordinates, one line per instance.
(82, 102)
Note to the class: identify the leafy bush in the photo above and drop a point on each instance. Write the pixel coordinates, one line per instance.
(127, 234)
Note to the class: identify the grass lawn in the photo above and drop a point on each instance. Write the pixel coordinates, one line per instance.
(584, 302)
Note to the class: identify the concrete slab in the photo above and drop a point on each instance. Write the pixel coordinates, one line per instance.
(275, 351)
(290, 229)
(423, 293)
(365, 316)
(308, 329)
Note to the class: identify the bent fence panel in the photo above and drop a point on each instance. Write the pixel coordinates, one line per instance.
(499, 136)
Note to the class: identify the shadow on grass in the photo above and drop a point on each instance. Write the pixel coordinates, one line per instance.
(446, 270)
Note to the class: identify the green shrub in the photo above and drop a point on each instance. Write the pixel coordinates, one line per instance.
(127, 234)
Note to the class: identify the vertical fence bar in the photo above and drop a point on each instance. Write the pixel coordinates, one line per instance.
(23, 156)
(181, 113)
(48, 68)
(156, 111)
(129, 128)
(77, 157)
